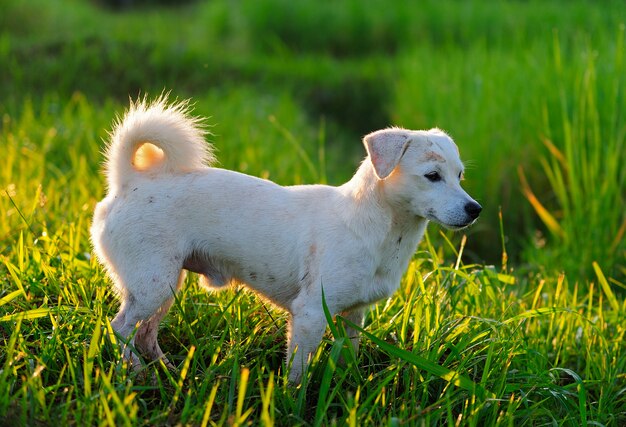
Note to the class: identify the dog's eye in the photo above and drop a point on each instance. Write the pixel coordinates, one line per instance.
(433, 176)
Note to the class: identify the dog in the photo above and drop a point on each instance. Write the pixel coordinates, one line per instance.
(168, 211)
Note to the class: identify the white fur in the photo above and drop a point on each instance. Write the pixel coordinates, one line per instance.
(177, 214)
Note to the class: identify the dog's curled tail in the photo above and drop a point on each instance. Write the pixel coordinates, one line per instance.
(153, 138)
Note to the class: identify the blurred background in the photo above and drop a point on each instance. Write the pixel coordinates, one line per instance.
(532, 92)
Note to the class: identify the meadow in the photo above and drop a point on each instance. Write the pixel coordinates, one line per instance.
(519, 320)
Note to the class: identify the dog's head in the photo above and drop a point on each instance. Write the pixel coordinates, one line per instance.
(421, 172)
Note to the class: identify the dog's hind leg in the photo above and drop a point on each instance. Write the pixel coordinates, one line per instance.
(125, 330)
(145, 300)
(146, 340)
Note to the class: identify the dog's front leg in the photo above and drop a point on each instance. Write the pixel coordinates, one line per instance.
(305, 334)
(355, 316)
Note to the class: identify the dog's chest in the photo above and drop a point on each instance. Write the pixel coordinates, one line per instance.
(389, 272)
(393, 261)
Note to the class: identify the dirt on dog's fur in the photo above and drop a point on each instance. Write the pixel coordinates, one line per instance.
(168, 211)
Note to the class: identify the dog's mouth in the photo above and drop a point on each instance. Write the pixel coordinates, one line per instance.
(457, 227)
(453, 227)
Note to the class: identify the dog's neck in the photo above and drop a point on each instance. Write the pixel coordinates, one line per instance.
(372, 215)
(390, 234)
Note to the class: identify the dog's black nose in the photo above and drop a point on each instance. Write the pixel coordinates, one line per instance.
(473, 209)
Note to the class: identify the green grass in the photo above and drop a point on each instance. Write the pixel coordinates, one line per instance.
(532, 89)
(465, 343)
(586, 175)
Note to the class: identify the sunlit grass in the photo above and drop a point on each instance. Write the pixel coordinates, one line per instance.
(458, 343)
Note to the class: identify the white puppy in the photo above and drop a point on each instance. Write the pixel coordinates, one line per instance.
(167, 211)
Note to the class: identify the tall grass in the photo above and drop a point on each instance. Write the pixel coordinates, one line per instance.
(426, 356)
(586, 145)
(458, 344)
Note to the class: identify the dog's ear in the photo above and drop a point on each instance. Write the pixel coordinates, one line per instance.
(385, 148)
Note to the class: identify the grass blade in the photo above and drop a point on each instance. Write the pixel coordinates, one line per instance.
(10, 297)
(442, 372)
(606, 287)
